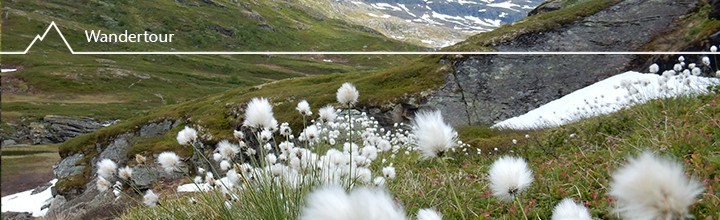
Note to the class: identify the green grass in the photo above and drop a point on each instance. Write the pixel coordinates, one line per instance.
(50, 71)
(685, 129)
(25, 167)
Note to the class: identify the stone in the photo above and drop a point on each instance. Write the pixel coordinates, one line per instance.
(116, 151)
(67, 166)
(156, 129)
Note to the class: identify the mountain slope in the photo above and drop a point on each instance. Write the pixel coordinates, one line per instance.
(428, 23)
(49, 81)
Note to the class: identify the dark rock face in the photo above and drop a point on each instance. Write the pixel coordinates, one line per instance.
(488, 89)
(715, 12)
(67, 166)
(52, 129)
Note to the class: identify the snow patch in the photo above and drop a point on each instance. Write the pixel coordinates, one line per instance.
(25, 202)
(608, 96)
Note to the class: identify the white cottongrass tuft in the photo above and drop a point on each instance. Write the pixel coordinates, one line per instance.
(389, 172)
(103, 184)
(186, 136)
(651, 187)
(106, 168)
(332, 203)
(569, 210)
(224, 165)
(428, 214)
(304, 108)
(327, 114)
(347, 94)
(713, 49)
(227, 150)
(654, 68)
(509, 176)
(150, 198)
(238, 134)
(706, 61)
(169, 161)
(432, 135)
(258, 114)
(125, 173)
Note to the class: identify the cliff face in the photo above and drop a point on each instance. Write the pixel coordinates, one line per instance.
(487, 89)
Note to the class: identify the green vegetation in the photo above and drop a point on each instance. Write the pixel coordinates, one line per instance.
(572, 161)
(25, 167)
(50, 81)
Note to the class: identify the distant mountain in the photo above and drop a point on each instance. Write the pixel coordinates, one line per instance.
(435, 23)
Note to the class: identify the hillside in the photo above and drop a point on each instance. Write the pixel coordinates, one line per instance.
(394, 94)
(51, 82)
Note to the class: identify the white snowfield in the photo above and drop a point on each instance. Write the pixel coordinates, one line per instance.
(24, 202)
(608, 96)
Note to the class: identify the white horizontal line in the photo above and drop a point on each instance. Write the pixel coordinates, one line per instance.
(53, 25)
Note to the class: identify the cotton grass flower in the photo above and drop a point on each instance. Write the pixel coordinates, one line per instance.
(327, 114)
(304, 108)
(706, 61)
(125, 173)
(150, 199)
(258, 114)
(102, 184)
(569, 210)
(509, 176)
(140, 159)
(186, 136)
(347, 94)
(389, 172)
(428, 214)
(713, 49)
(332, 203)
(227, 150)
(432, 135)
(106, 168)
(169, 161)
(654, 68)
(651, 187)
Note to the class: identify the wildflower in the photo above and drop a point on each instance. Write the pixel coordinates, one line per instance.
(432, 135)
(224, 165)
(233, 176)
(514, 141)
(375, 204)
(692, 65)
(271, 158)
(169, 161)
(327, 114)
(106, 168)
(304, 108)
(569, 210)
(696, 71)
(713, 49)
(265, 135)
(509, 176)
(428, 214)
(125, 173)
(227, 150)
(677, 67)
(347, 94)
(654, 68)
(186, 136)
(285, 129)
(272, 126)
(649, 187)
(681, 59)
(140, 159)
(258, 114)
(102, 184)
(379, 181)
(331, 203)
(150, 199)
(706, 61)
(311, 134)
(239, 134)
(389, 172)
(217, 156)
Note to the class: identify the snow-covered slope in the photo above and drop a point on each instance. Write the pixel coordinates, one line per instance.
(435, 23)
(28, 202)
(607, 96)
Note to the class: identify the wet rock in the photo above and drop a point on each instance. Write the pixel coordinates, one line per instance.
(156, 129)
(486, 89)
(116, 150)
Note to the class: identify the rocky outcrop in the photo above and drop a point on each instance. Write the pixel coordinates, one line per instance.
(51, 129)
(81, 200)
(484, 90)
